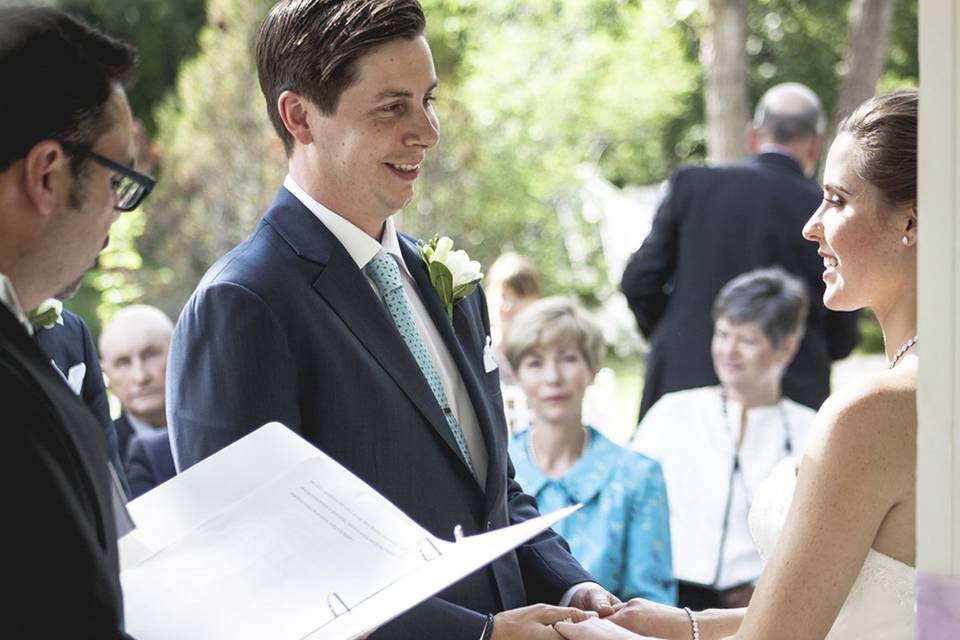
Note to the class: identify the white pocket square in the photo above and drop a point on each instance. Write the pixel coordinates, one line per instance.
(75, 377)
(489, 362)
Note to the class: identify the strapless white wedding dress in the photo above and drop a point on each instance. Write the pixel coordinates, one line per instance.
(881, 603)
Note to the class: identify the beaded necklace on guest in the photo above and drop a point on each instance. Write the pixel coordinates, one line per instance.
(738, 470)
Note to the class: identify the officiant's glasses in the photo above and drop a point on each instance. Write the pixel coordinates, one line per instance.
(129, 186)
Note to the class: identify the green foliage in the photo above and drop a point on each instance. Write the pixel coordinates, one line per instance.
(903, 63)
(530, 91)
(222, 162)
(536, 89)
(164, 32)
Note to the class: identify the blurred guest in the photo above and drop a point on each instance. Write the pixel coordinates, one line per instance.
(717, 443)
(149, 462)
(133, 348)
(622, 533)
(70, 348)
(717, 222)
(513, 283)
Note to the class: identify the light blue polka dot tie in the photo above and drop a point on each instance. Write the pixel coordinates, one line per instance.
(385, 273)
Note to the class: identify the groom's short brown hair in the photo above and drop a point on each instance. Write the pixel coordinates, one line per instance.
(312, 47)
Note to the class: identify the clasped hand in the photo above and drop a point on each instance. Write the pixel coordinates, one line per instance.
(537, 621)
(629, 620)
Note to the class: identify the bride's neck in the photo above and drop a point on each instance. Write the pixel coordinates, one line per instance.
(898, 322)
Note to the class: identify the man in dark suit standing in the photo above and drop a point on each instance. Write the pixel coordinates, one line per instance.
(133, 350)
(134, 345)
(70, 348)
(325, 319)
(715, 223)
(149, 462)
(65, 152)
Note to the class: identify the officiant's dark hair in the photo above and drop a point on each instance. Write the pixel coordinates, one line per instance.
(57, 75)
(884, 129)
(312, 47)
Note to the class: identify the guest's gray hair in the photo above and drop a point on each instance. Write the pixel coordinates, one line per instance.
(772, 298)
(788, 112)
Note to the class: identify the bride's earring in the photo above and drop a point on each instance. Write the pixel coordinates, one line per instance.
(905, 241)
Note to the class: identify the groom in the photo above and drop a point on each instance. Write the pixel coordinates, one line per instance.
(325, 319)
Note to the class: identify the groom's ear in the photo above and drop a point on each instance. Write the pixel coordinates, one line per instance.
(294, 110)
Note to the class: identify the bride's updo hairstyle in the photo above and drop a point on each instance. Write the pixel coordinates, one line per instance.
(884, 129)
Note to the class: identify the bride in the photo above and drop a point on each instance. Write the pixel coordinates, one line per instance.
(843, 565)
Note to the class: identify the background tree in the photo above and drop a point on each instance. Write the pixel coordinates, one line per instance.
(723, 52)
(868, 40)
(529, 92)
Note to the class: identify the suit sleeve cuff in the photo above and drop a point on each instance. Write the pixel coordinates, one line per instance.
(568, 596)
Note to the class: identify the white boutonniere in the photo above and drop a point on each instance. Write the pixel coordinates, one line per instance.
(453, 274)
(49, 313)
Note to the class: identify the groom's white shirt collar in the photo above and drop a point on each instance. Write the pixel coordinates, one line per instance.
(361, 247)
(8, 296)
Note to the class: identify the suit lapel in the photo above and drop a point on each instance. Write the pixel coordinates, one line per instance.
(86, 441)
(452, 335)
(349, 294)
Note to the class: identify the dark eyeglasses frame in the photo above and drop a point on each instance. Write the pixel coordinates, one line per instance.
(144, 182)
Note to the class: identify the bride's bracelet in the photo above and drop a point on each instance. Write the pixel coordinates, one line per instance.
(693, 623)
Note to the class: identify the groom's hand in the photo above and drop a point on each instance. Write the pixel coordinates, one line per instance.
(534, 622)
(593, 597)
(652, 619)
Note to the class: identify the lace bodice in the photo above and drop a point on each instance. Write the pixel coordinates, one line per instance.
(881, 603)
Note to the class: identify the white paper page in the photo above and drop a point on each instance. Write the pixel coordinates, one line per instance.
(169, 511)
(458, 560)
(273, 564)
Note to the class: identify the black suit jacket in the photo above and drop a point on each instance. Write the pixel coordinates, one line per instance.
(286, 327)
(149, 462)
(125, 435)
(714, 224)
(59, 572)
(68, 345)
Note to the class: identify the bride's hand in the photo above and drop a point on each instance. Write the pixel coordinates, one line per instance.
(595, 629)
(658, 620)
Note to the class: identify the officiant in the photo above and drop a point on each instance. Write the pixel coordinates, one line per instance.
(66, 156)
(716, 444)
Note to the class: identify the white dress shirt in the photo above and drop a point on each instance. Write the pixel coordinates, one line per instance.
(8, 296)
(687, 433)
(362, 248)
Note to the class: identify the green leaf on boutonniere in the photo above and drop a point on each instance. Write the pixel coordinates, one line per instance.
(46, 315)
(442, 281)
(453, 274)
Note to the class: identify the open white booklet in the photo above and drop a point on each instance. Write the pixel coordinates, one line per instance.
(271, 538)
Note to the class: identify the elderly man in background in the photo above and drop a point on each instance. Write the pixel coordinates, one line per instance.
(715, 223)
(133, 347)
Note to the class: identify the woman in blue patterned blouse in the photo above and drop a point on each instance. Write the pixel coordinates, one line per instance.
(622, 533)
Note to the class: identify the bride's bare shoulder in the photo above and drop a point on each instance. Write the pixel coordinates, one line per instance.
(874, 417)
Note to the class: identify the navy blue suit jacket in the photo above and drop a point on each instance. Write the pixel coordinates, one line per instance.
(714, 224)
(286, 327)
(149, 462)
(68, 345)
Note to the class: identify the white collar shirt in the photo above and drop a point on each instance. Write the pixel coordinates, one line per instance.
(141, 428)
(8, 296)
(362, 248)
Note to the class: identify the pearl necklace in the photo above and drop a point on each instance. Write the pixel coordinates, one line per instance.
(902, 350)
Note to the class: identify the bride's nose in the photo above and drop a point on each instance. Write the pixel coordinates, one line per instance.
(813, 229)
